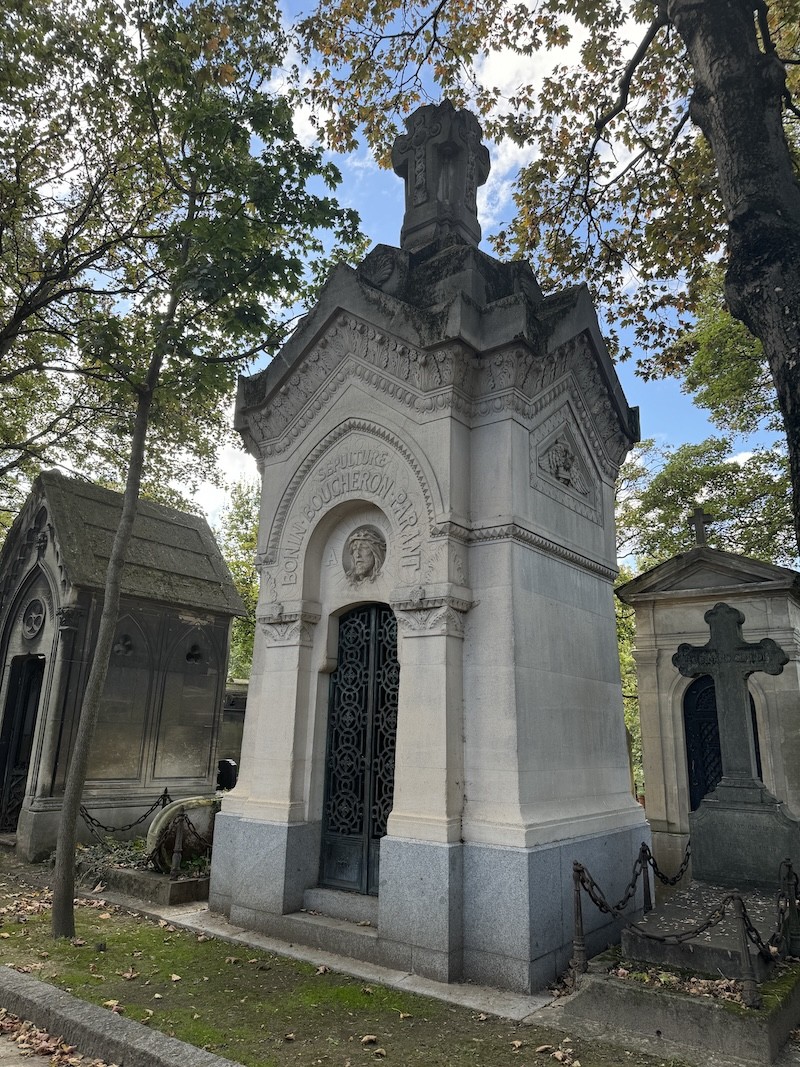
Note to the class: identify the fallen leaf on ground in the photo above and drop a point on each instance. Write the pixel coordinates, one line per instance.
(369, 1039)
(322, 969)
(174, 978)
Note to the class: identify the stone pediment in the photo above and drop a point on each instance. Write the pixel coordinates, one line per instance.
(704, 569)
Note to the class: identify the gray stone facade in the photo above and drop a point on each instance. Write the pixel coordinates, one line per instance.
(473, 427)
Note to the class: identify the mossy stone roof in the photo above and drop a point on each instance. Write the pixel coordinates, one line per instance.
(173, 556)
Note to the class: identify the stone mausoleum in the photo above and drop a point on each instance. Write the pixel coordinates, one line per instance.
(679, 715)
(162, 705)
(434, 729)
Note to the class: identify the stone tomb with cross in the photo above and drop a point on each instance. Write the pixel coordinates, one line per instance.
(680, 716)
(740, 832)
(434, 728)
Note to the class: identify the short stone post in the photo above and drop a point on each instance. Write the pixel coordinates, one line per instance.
(579, 961)
(644, 856)
(750, 994)
(793, 919)
(177, 852)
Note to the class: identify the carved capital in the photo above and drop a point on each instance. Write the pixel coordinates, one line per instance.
(69, 618)
(290, 628)
(419, 615)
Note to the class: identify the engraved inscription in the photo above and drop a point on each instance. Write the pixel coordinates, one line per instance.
(355, 471)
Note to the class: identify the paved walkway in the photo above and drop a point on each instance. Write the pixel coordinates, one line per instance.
(10, 1053)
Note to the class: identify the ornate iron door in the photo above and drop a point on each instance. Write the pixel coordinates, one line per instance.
(16, 739)
(359, 765)
(702, 739)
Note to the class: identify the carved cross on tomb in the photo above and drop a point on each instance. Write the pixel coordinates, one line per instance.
(698, 521)
(442, 161)
(730, 660)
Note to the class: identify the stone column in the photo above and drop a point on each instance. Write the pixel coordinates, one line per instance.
(263, 840)
(420, 897)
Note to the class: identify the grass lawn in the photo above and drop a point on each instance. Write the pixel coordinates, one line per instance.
(256, 1008)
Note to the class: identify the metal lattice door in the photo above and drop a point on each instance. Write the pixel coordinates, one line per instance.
(703, 753)
(359, 765)
(16, 738)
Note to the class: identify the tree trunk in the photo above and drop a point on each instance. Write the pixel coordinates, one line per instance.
(63, 919)
(737, 103)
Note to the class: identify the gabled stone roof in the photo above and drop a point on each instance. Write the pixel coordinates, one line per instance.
(173, 556)
(703, 571)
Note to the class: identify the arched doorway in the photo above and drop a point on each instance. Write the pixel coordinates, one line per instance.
(16, 737)
(701, 727)
(359, 762)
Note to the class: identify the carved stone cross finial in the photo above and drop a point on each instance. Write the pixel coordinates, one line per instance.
(698, 521)
(729, 659)
(442, 162)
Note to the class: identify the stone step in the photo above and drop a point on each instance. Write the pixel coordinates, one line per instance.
(338, 904)
(339, 936)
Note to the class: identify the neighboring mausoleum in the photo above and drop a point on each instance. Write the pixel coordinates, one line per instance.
(681, 750)
(434, 729)
(162, 704)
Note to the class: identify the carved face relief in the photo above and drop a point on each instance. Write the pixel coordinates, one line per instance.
(364, 554)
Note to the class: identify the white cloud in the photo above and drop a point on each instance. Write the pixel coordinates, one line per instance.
(235, 464)
(741, 458)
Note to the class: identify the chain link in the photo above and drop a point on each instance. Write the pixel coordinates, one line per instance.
(645, 858)
(681, 870)
(94, 824)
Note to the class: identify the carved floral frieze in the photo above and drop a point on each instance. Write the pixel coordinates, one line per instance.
(452, 378)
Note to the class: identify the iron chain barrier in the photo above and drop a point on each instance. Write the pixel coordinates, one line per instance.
(94, 825)
(785, 938)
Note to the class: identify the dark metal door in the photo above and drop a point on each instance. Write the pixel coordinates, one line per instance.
(359, 765)
(16, 739)
(702, 739)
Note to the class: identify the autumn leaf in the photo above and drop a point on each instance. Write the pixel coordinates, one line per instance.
(322, 969)
(369, 1039)
(175, 978)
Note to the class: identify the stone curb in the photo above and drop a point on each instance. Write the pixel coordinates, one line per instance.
(97, 1031)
